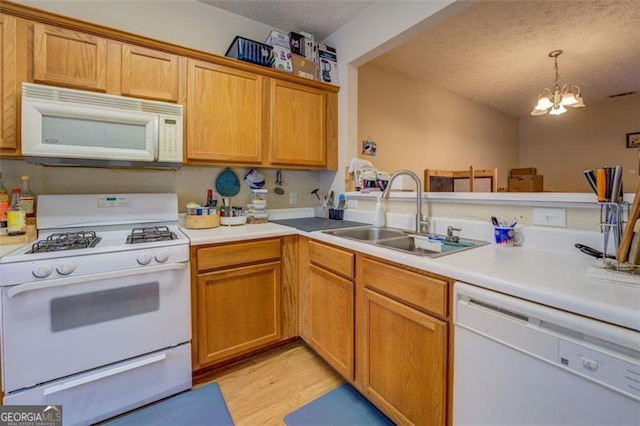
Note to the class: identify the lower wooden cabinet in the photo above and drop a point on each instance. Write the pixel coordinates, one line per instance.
(327, 296)
(237, 299)
(402, 346)
(331, 319)
(404, 353)
(238, 310)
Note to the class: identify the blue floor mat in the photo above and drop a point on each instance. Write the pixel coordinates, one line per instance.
(202, 406)
(342, 406)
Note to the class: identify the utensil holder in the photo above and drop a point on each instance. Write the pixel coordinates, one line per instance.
(612, 218)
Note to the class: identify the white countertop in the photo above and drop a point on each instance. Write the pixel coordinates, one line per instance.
(236, 233)
(557, 279)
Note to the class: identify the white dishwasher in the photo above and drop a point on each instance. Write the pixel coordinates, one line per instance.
(518, 362)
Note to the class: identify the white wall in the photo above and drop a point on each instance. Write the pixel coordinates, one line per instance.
(418, 125)
(187, 23)
(561, 148)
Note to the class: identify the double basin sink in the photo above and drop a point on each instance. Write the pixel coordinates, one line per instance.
(396, 239)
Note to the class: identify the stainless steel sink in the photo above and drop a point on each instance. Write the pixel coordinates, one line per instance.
(367, 233)
(397, 239)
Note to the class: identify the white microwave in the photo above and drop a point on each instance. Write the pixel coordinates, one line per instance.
(74, 127)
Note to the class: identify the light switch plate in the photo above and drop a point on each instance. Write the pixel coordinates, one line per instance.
(550, 217)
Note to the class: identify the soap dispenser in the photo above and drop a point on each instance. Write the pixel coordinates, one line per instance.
(378, 217)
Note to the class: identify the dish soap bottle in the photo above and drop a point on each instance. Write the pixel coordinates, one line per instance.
(378, 217)
(16, 217)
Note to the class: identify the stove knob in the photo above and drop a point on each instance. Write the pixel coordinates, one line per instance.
(65, 268)
(42, 271)
(144, 259)
(162, 256)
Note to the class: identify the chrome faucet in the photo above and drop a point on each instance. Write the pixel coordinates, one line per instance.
(422, 225)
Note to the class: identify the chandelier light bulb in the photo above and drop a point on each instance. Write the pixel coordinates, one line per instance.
(554, 101)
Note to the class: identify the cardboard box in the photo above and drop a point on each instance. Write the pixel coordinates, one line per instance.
(296, 43)
(303, 67)
(326, 52)
(328, 71)
(526, 183)
(309, 46)
(282, 58)
(276, 38)
(523, 171)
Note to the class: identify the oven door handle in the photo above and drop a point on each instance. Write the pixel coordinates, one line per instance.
(103, 374)
(39, 285)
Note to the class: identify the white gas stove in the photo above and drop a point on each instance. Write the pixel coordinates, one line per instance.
(86, 234)
(106, 290)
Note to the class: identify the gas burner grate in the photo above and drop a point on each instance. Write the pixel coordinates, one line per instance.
(150, 234)
(66, 241)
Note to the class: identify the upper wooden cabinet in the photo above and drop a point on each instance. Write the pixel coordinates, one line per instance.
(224, 114)
(236, 113)
(9, 84)
(148, 73)
(74, 59)
(69, 58)
(298, 125)
(237, 116)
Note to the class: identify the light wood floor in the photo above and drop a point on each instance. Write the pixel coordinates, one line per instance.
(262, 390)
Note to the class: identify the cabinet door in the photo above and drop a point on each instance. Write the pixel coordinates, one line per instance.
(238, 310)
(148, 73)
(8, 84)
(298, 125)
(404, 361)
(69, 58)
(331, 319)
(224, 114)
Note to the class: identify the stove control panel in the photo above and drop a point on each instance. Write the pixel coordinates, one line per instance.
(41, 270)
(161, 256)
(65, 268)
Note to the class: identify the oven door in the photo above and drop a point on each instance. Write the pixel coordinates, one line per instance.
(61, 327)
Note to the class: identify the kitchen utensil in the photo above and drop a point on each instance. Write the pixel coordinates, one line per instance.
(227, 183)
(278, 189)
(634, 251)
(617, 184)
(591, 179)
(331, 199)
(254, 179)
(315, 192)
(494, 220)
(625, 243)
(592, 252)
(342, 202)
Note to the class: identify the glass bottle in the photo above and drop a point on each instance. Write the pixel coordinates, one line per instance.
(27, 199)
(16, 217)
(4, 206)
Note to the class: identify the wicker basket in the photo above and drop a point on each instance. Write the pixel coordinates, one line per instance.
(192, 221)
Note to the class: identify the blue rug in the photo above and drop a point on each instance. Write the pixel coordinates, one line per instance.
(202, 406)
(342, 406)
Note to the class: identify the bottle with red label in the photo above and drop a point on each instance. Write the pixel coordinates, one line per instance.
(27, 199)
(4, 206)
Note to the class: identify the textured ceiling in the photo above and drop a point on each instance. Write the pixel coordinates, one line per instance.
(496, 51)
(319, 18)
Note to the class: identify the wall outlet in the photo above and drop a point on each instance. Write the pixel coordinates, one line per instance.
(352, 203)
(550, 217)
(293, 198)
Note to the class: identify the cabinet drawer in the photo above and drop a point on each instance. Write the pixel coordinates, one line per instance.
(224, 255)
(334, 259)
(423, 292)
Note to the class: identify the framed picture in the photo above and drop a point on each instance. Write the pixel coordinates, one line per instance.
(633, 140)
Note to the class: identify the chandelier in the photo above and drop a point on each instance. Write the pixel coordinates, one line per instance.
(555, 101)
